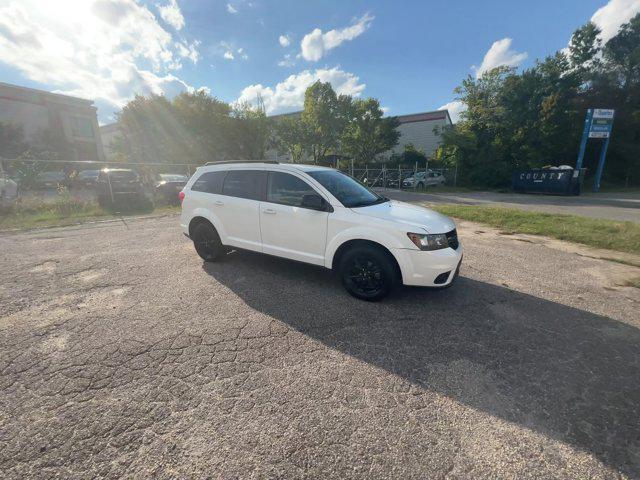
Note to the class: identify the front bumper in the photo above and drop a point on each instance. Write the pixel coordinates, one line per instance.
(422, 268)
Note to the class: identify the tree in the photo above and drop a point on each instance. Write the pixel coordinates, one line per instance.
(250, 132)
(412, 156)
(584, 47)
(323, 116)
(618, 86)
(204, 122)
(290, 135)
(152, 132)
(367, 133)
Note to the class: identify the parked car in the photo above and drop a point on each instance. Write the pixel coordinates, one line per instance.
(8, 189)
(423, 179)
(394, 180)
(320, 216)
(169, 186)
(49, 180)
(86, 178)
(121, 186)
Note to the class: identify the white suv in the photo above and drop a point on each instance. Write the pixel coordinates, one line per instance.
(321, 216)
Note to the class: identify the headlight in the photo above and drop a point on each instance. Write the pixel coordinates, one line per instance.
(429, 241)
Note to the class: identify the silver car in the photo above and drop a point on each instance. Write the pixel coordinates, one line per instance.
(424, 179)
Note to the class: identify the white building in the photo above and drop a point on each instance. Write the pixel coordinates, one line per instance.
(419, 129)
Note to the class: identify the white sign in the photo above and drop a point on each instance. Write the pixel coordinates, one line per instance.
(602, 113)
(598, 134)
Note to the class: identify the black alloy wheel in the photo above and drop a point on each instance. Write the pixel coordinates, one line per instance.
(367, 273)
(207, 242)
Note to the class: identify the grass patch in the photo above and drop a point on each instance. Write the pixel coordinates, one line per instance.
(634, 282)
(65, 210)
(609, 234)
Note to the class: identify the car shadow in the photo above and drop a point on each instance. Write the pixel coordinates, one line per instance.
(566, 373)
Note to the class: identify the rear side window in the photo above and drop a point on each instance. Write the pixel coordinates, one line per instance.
(287, 189)
(209, 182)
(244, 184)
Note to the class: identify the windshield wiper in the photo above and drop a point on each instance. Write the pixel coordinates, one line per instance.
(368, 204)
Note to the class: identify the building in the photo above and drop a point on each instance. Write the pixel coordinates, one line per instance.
(73, 118)
(108, 134)
(422, 130)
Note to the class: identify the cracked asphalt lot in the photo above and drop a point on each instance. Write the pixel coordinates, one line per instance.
(123, 355)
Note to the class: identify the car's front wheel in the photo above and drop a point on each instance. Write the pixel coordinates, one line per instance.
(207, 242)
(367, 273)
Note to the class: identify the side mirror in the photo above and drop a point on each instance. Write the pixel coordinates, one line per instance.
(314, 202)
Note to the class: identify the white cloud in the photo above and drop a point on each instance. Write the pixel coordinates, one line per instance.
(455, 108)
(230, 52)
(316, 44)
(231, 9)
(284, 40)
(498, 55)
(288, 95)
(171, 14)
(104, 50)
(287, 61)
(616, 12)
(189, 51)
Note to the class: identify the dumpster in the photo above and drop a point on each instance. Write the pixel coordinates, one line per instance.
(552, 181)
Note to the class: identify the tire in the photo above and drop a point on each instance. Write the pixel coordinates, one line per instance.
(207, 242)
(367, 273)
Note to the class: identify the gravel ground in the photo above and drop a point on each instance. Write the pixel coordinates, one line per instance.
(123, 355)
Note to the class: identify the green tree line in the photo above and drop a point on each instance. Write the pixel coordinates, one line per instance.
(535, 118)
(196, 127)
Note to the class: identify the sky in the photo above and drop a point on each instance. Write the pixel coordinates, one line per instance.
(408, 54)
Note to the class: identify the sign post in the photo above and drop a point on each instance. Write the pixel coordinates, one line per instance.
(585, 136)
(598, 123)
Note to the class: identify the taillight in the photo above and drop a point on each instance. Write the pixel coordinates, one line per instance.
(181, 196)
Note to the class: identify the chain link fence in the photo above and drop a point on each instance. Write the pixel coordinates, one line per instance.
(416, 178)
(45, 180)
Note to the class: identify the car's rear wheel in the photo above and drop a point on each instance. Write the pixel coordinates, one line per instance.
(367, 273)
(207, 242)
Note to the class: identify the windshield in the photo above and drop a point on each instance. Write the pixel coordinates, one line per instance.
(89, 174)
(350, 193)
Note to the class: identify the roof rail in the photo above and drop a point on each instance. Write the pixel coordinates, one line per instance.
(223, 162)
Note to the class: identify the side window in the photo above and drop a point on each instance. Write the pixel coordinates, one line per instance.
(287, 189)
(209, 182)
(244, 184)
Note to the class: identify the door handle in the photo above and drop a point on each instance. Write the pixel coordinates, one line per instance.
(269, 211)
(219, 203)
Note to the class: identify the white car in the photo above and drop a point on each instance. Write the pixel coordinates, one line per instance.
(321, 216)
(424, 179)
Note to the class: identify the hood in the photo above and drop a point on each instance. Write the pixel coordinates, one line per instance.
(410, 215)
